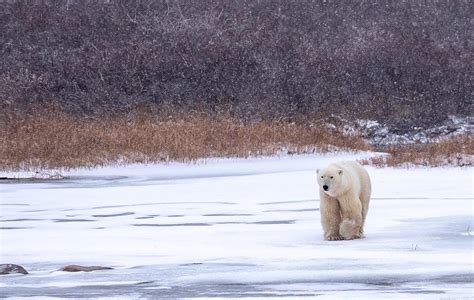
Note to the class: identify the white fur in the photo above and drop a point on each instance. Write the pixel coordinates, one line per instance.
(345, 203)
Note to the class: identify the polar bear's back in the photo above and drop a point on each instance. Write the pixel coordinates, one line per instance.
(360, 173)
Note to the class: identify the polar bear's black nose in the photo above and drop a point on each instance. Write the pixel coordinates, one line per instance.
(325, 187)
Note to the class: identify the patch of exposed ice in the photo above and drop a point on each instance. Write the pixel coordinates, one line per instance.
(230, 228)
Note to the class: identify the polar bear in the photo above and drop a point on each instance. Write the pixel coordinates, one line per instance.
(344, 189)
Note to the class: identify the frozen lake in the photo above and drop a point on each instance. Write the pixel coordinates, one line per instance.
(235, 228)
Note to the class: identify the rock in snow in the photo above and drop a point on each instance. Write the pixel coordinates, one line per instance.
(12, 269)
(77, 268)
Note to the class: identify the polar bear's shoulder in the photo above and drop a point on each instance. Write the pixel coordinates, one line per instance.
(347, 164)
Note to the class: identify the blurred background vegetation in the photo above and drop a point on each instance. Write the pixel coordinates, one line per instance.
(405, 63)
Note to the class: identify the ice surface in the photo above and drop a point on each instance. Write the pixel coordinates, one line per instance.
(235, 228)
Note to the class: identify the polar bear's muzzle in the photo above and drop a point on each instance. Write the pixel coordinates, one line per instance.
(325, 187)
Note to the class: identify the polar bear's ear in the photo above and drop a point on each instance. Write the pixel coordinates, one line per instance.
(340, 171)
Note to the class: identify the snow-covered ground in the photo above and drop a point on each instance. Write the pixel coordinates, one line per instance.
(235, 228)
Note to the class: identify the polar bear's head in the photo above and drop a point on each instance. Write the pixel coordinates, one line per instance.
(331, 180)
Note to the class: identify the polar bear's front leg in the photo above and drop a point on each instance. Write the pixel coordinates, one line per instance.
(349, 229)
(351, 225)
(330, 217)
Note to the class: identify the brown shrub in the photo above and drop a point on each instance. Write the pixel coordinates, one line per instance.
(456, 151)
(55, 140)
(403, 63)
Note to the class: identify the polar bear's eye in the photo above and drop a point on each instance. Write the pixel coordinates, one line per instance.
(322, 176)
(332, 177)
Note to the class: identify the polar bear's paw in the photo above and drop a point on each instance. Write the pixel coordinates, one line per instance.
(334, 237)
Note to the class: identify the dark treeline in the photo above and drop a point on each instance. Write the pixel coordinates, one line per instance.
(405, 63)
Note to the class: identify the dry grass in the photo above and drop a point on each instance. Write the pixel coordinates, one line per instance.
(456, 151)
(53, 140)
